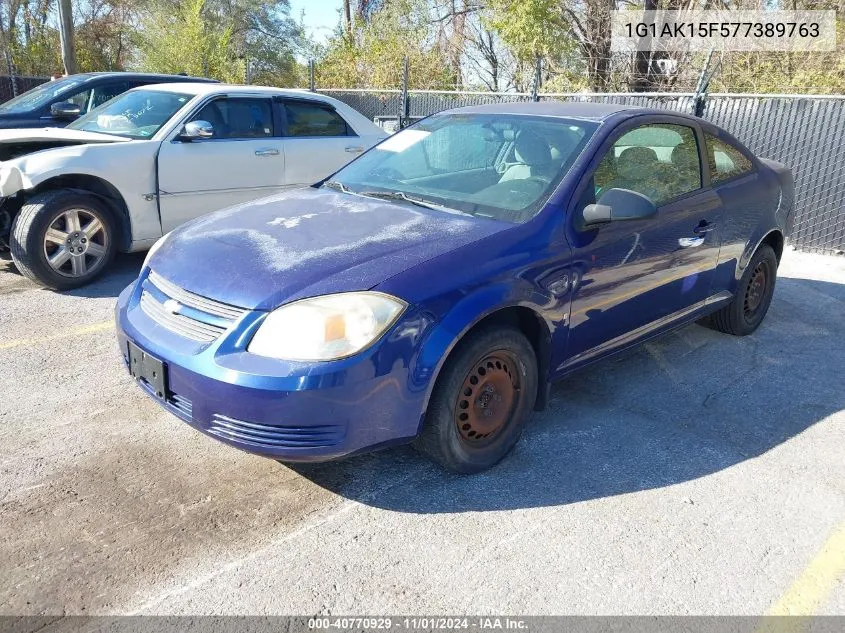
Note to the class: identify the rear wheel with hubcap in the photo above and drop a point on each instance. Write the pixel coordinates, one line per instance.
(63, 239)
(482, 398)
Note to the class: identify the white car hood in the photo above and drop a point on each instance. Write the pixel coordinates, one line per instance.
(57, 134)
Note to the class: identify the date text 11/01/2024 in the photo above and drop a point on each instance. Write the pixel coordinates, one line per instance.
(419, 623)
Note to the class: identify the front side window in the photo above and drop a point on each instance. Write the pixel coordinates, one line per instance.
(312, 119)
(80, 98)
(238, 117)
(658, 160)
(726, 161)
(138, 114)
(106, 92)
(499, 166)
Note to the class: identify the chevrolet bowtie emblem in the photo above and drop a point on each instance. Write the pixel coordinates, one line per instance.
(172, 306)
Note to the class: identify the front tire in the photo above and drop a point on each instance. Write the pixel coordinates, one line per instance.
(63, 239)
(754, 294)
(482, 399)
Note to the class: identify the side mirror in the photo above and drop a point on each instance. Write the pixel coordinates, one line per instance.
(619, 205)
(65, 110)
(196, 130)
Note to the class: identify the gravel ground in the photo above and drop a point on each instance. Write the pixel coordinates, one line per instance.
(701, 474)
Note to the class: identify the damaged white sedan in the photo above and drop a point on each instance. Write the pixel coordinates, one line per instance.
(130, 171)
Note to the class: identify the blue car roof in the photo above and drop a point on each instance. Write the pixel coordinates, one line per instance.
(576, 109)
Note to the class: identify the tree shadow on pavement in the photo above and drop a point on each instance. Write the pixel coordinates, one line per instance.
(684, 406)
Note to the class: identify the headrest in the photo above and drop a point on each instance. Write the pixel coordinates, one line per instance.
(684, 155)
(636, 161)
(531, 149)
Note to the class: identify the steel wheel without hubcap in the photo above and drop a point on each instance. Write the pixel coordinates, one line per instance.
(76, 243)
(755, 291)
(488, 398)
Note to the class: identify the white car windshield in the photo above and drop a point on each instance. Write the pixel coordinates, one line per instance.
(501, 166)
(136, 114)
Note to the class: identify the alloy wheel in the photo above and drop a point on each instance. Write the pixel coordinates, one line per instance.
(76, 243)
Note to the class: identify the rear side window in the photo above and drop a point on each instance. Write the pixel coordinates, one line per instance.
(312, 119)
(726, 161)
(658, 160)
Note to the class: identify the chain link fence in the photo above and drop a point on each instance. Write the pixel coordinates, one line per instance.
(805, 132)
(12, 86)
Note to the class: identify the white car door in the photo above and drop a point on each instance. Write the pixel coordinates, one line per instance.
(242, 161)
(318, 140)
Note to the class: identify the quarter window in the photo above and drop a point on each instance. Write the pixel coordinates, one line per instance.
(657, 160)
(238, 118)
(312, 119)
(726, 161)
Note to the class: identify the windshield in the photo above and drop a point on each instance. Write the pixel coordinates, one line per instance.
(491, 165)
(136, 114)
(41, 95)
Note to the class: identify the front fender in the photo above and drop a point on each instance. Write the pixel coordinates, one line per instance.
(463, 316)
(12, 180)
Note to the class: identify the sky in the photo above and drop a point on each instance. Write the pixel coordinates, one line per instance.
(321, 16)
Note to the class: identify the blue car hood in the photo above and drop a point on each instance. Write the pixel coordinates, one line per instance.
(308, 242)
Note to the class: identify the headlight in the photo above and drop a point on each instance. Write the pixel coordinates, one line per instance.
(154, 248)
(327, 327)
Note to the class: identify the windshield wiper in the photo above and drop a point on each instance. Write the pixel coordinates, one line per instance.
(420, 202)
(337, 185)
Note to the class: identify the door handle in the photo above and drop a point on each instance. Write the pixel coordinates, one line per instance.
(267, 152)
(354, 149)
(704, 227)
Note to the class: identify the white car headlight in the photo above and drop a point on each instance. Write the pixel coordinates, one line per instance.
(326, 328)
(154, 248)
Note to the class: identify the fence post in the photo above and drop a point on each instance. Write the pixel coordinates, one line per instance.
(701, 88)
(406, 102)
(535, 86)
(311, 75)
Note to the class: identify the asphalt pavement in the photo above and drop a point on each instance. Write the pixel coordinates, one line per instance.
(699, 474)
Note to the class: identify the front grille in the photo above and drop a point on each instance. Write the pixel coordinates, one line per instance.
(158, 291)
(203, 304)
(276, 436)
(186, 326)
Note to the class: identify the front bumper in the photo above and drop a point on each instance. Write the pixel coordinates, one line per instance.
(288, 411)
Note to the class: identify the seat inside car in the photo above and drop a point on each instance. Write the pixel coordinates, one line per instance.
(533, 156)
(685, 160)
(637, 169)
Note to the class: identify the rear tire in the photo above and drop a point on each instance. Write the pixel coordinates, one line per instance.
(63, 238)
(754, 293)
(483, 396)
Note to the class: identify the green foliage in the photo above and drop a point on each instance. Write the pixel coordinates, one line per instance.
(179, 38)
(371, 56)
(532, 28)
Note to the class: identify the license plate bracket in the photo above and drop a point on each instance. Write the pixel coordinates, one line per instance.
(148, 368)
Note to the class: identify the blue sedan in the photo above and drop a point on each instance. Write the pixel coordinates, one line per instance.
(431, 290)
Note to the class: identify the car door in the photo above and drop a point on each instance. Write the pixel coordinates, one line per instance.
(637, 276)
(243, 160)
(317, 140)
